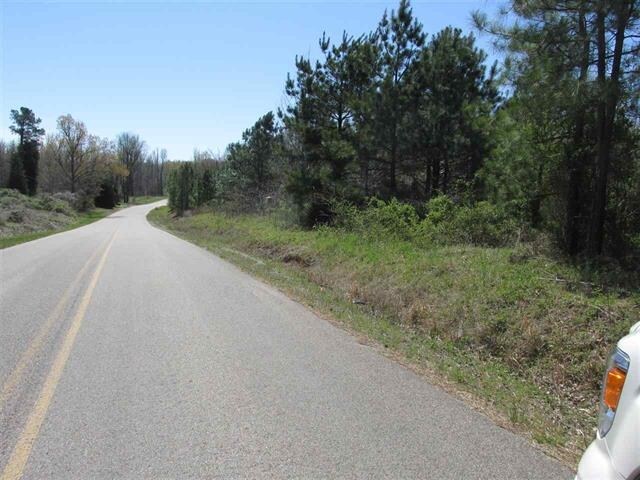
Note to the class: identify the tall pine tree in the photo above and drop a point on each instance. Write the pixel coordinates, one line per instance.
(24, 168)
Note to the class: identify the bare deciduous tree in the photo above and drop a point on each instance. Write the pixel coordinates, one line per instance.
(82, 158)
(6, 151)
(51, 177)
(74, 145)
(130, 152)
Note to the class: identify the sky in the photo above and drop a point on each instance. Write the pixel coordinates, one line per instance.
(182, 75)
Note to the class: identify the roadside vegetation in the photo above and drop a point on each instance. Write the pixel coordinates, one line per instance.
(519, 329)
(24, 218)
(480, 221)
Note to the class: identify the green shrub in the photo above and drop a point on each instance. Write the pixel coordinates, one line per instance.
(84, 201)
(56, 204)
(482, 224)
(380, 219)
(440, 209)
(445, 223)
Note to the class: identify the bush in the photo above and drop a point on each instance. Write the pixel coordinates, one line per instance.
(482, 224)
(16, 216)
(62, 202)
(445, 223)
(379, 219)
(108, 196)
(84, 201)
(440, 209)
(54, 203)
(65, 196)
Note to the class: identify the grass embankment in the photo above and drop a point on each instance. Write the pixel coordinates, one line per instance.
(24, 218)
(81, 219)
(521, 337)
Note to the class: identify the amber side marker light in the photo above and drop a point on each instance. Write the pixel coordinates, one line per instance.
(613, 384)
(613, 387)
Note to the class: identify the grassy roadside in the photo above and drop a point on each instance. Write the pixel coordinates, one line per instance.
(82, 219)
(518, 338)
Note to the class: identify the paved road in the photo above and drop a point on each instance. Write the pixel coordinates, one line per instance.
(128, 353)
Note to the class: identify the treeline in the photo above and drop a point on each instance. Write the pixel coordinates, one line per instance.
(552, 140)
(96, 170)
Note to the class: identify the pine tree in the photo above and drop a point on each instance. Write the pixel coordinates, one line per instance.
(16, 173)
(400, 41)
(206, 187)
(584, 55)
(454, 98)
(185, 188)
(25, 125)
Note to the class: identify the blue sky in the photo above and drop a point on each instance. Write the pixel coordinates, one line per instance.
(183, 75)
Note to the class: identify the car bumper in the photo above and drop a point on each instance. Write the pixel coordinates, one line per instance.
(596, 463)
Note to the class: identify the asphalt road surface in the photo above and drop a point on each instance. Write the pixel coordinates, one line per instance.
(128, 353)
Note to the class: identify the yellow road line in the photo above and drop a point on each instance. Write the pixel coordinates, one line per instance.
(15, 467)
(34, 347)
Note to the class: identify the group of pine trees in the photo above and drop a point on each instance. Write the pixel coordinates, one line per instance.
(572, 123)
(95, 170)
(552, 138)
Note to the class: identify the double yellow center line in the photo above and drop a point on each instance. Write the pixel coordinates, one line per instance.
(18, 460)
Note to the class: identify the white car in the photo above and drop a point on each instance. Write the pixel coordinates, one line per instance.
(615, 453)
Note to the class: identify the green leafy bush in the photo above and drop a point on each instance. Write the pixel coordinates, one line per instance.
(482, 224)
(380, 219)
(445, 222)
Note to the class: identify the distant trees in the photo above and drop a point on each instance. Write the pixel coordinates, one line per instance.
(6, 154)
(17, 178)
(181, 188)
(51, 178)
(24, 161)
(131, 151)
(72, 159)
(76, 153)
(150, 173)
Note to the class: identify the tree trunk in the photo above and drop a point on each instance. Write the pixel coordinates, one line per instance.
(445, 176)
(392, 165)
(607, 104)
(576, 155)
(536, 201)
(427, 179)
(435, 174)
